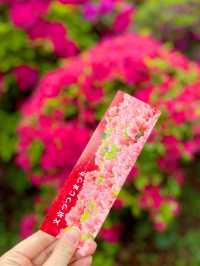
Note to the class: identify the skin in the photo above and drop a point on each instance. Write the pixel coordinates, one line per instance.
(43, 249)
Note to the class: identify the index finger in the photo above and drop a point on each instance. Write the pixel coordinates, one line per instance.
(35, 244)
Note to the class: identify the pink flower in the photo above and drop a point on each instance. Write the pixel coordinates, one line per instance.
(151, 198)
(90, 11)
(112, 234)
(26, 14)
(144, 94)
(196, 129)
(106, 6)
(179, 175)
(62, 45)
(119, 203)
(191, 147)
(26, 77)
(40, 29)
(57, 34)
(132, 175)
(160, 226)
(139, 75)
(60, 153)
(93, 11)
(89, 116)
(27, 225)
(92, 93)
(172, 145)
(23, 161)
(123, 19)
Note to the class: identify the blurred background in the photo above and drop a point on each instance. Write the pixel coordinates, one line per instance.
(61, 63)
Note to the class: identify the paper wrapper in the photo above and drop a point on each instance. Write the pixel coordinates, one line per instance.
(95, 181)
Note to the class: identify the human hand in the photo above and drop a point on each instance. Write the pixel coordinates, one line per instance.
(41, 249)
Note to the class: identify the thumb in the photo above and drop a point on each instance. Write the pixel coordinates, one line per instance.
(65, 248)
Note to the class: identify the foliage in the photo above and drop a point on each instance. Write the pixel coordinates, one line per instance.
(60, 66)
(176, 22)
(158, 76)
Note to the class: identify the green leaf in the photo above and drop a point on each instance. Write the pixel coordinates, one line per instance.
(71, 111)
(8, 137)
(35, 151)
(166, 212)
(141, 182)
(7, 147)
(17, 179)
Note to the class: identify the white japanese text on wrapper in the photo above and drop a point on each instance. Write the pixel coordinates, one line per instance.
(68, 200)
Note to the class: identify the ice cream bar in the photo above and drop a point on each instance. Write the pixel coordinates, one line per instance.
(95, 181)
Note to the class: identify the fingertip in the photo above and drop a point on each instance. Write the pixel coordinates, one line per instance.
(73, 234)
(43, 235)
(65, 247)
(87, 261)
(87, 249)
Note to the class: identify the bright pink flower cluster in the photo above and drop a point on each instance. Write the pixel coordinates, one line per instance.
(59, 117)
(153, 201)
(123, 13)
(30, 16)
(59, 155)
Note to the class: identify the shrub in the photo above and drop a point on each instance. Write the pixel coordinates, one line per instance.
(60, 116)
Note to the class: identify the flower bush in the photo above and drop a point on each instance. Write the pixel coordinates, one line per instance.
(59, 118)
(55, 31)
(88, 45)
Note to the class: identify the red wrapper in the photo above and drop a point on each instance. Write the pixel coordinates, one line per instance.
(95, 181)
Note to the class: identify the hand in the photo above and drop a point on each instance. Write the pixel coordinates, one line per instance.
(43, 249)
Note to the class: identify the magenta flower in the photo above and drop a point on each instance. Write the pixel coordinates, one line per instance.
(40, 30)
(112, 234)
(132, 175)
(56, 33)
(144, 94)
(7, 1)
(91, 92)
(160, 226)
(26, 77)
(123, 19)
(90, 11)
(151, 198)
(119, 203)
(27, 225)
(26, 14)
(106, 6)
(93, 11)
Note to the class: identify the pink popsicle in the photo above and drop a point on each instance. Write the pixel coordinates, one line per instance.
(95, 181)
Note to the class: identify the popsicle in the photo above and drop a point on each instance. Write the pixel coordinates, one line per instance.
(95, 181)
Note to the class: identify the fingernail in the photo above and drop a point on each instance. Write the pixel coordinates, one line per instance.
(72, 233)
